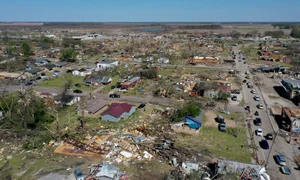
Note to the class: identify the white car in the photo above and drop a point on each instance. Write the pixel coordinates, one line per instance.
(259, 132)
(260, 106)
(123, 90)
(253, 91)
(256, 98)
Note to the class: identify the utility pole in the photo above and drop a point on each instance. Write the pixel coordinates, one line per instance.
(271, 149)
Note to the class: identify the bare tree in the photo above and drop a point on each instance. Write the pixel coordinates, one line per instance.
(62, 126)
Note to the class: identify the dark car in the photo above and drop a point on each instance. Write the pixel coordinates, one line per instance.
(112, 87)
(269, 136)
(264, 144)
(77, 85)
(285, 170)
(258, 121)
(222, 127)
(114, 96)
(247, 108)
(38, 78)
(78, 174)
(77, 91)
(28, 83)
(3, 91)
(234, 98)
(244, 81)
(235, 92)
(118, 85)
(141, 106)
(256, 113)
(280, 159)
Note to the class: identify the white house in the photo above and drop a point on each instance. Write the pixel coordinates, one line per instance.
(82, 72)
(106, 65)
(69, 100)
(163, 60)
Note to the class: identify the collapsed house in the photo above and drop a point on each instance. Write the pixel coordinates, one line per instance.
(247, 171)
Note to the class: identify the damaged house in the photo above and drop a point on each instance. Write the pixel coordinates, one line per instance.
(96, 80)
(211, 89)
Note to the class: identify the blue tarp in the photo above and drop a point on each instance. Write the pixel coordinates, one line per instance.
(192, 122)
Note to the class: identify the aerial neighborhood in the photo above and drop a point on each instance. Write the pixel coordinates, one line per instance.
(129, 101)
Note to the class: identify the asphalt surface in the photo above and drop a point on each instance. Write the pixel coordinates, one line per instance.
(279, 144)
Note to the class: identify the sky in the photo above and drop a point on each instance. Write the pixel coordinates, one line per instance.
(150, 10)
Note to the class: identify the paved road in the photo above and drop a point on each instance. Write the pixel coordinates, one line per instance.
(268, 125)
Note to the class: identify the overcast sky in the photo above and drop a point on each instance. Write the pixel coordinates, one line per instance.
(150, 10)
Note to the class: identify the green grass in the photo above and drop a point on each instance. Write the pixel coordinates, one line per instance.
(60, 81)
(221, 144)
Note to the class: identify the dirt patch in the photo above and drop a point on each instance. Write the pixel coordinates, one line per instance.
(210, 120)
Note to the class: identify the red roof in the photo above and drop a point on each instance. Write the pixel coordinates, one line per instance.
(117, 109)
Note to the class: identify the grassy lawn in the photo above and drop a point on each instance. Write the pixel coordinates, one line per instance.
(218, 143)
(60, 81)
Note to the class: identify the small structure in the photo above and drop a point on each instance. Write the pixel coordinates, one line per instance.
(292, 118)
(105, 64)
(61, 64)
(131, 82)
(116, 111)
(49, 67)
(291, 86)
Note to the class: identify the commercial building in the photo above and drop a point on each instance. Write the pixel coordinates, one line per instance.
(291, 119)
(291, 86)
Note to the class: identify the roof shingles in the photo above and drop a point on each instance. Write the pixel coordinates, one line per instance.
(117, 109)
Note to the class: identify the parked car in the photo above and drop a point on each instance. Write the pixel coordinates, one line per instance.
(141, 106)
(280, 159)
(269, 136)
(118, 85)
(256, 113)
(258, 121)
(260, 106)
(114, 96)
(3, 91)
(259, 132)
(253, 91)
(112, 87)
(78, 91)
(78, 174)
(77, 85)
(235, 91)
(285, 170)
(220, 118)
(38, 78)
(222, 127)
(264, 144)
(28, 83)
(123, 90)
(256, 98)
(247, 108)
(244, 81)
(234, 98)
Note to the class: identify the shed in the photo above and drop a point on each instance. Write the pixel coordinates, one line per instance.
(192, 122)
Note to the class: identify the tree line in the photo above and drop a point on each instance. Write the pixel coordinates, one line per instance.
(210, 26)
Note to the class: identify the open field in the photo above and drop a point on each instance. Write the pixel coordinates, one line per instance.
(60, 81)
(220, 144)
